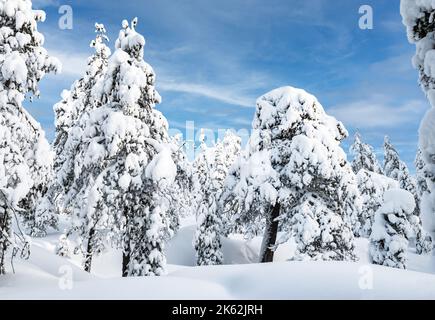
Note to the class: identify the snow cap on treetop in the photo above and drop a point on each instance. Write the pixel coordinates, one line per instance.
(130, 41)
(398, 199)
(286, 106)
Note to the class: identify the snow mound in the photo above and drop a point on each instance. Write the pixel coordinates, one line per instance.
(45, 276)
(398, 199)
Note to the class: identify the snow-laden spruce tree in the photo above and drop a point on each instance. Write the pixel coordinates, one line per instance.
(226, 153)
(68, 111)
(180, 193)
(211, 170)
(418, 17)
(207, 240)
(295, 174)
(424, 194)
(391, 230)
(422, 187)
(364, 157)
(397, 170)
(372, 187)
(25, 157)
(123, 164)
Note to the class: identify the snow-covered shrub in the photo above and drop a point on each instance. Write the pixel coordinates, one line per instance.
(25, 157)
(391, 230)
(372, 187)
(294, 173)
(364, 157)
(63, 247)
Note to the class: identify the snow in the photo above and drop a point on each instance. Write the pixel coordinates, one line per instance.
(427, 137)
(14, 68)
(162, 167)
(46, 276)
(397, 199)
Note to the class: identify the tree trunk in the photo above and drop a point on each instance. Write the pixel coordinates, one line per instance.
(270, 235)
(89, 251)
(126, 249)
(4, 230)
(3, 248)
(125, 262)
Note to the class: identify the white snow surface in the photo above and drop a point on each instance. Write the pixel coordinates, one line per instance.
(44, 275)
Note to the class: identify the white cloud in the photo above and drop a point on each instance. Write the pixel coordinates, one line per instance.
(223, 94)
(379, 113)
(73, 65)
(44, 3)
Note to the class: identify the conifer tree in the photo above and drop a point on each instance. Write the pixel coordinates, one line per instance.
(364, 157)
(396, 169)
(75, 104)
(372, 187)
(123, 165)
(391, 230)
(418, 17)
(25, 157)
(295, 174)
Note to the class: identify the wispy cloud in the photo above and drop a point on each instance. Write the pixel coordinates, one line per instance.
(73, 64)
(378, 112)
(45, 3)
(223, 94)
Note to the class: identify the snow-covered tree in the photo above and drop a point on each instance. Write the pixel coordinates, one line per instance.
(364, 157)
(209, 224)
(211, 170)
(372, 187)
(396, 169)
(422, 187)
(68, 111)
(181, 193)
(295, 174)
(123, 163)
(63, 247)
(424, 195)
(391, 230)
(25, 157)
(418, 17)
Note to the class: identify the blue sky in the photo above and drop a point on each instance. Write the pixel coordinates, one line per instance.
(214, 58)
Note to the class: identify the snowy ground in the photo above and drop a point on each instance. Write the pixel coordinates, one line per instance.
(45, 276)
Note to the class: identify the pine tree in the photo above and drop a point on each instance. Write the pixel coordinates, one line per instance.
(226, 153)
(68, 111)
(364, 157)
(422, 187)
(424, 196)
(25, 158)
(372, 187)
(391, 230)
(398, 170)
(63, 247)
(209, 224)
(295, 174)
(418, 17)
(181, 192)
(211, 170)
(123, 164)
